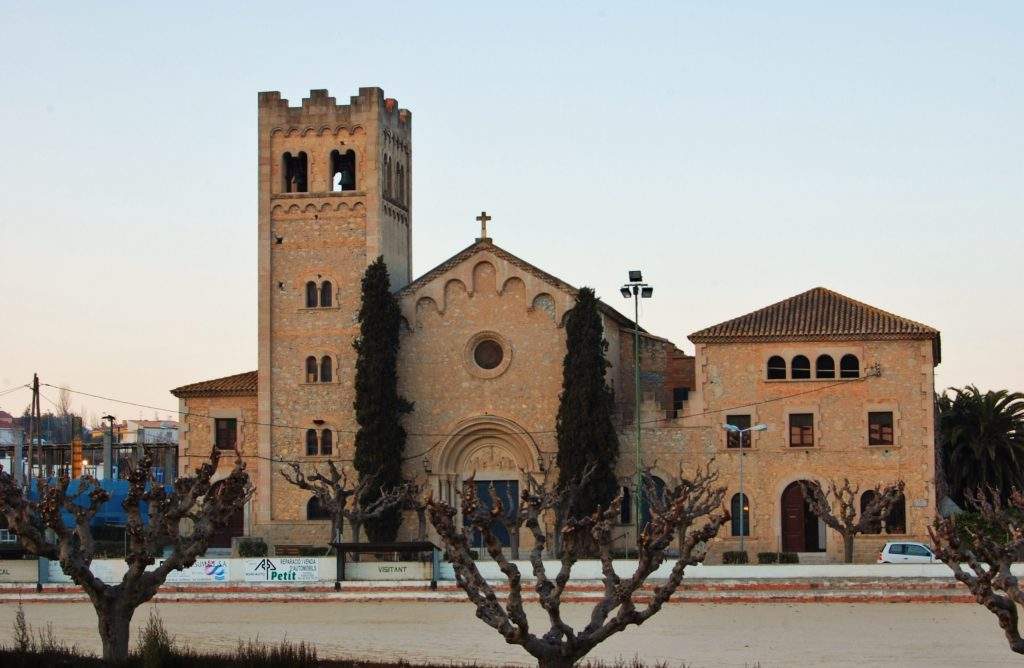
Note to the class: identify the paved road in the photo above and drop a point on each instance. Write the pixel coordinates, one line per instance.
(698, 634)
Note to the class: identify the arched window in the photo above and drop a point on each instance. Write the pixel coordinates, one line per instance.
(311, 442)
(896, 522)
(626, 509)
(801, 367)
(326, 294)
(849, 367)
(310, 369)
(310, 294)
(776, 368)
(740, 509)
(315, 511)
(343, 170)
(389, 177)
(646, 502)
(865, 500)
(326, 375)
(825, 367)
(326, 442)
(293, 169)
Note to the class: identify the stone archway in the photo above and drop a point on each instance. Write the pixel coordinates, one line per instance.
(493, 449)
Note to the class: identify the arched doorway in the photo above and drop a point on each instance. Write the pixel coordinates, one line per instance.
(235, 526)
(801, 530)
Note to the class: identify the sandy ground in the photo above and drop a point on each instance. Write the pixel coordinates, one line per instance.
(876, 634)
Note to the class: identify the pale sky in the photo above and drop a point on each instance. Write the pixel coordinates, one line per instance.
(736, 154)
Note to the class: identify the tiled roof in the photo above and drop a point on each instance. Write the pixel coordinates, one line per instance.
(817, 315)
(482, 245)
(240, 384)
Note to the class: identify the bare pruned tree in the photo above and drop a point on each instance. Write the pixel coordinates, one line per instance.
(155, 518)
(988, 541)
(837, 508)
(334, 490)
(561, 645)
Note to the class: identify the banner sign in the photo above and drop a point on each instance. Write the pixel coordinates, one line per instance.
(388, 570)
(204, 570)
(282, 569)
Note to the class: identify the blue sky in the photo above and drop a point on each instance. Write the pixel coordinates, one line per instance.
(738, 154)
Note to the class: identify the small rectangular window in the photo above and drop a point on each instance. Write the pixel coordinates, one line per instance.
(734, 439)
(880, 430)
(801, 429)
(225, 433)
(679, 396)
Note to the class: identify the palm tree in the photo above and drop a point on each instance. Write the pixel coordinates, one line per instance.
(981, 435)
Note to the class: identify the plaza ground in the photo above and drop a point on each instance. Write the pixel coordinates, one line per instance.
(832, 634)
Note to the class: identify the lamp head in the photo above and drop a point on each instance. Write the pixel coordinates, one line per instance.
(759, 427)
(731, 427)
(625, 292)
(646, 292)
(635, 276)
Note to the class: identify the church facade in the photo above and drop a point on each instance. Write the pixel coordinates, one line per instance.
(845, 389)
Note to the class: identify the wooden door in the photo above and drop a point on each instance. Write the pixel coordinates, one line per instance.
(793, 519)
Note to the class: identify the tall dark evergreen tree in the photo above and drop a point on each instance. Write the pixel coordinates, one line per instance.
(586, 435)
(380, 441)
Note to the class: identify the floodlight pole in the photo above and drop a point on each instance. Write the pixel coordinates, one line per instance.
(636, 289)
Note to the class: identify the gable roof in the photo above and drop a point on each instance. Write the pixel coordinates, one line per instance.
(818, 315)
(240, 384)
(482, 245)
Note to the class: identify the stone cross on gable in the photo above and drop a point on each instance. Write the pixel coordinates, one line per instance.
(483, 218)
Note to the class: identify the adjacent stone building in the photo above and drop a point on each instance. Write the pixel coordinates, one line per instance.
(482, 348)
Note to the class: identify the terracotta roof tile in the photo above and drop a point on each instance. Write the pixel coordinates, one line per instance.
(817, 315)
(240, 384)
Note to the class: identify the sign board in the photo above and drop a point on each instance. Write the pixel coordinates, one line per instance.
(204, 570)
(282, 569)
(111, 571)
(388, 570)
(19, 570)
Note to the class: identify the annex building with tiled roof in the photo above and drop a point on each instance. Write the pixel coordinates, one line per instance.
(842, 388)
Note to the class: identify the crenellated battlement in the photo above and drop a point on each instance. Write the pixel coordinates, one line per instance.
(321, 105)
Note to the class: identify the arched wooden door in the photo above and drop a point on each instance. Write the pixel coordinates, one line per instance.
(794, 519)
(235, 526)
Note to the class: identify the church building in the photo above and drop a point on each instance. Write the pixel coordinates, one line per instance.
(844, 389)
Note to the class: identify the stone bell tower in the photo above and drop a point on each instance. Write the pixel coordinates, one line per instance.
(335, 192)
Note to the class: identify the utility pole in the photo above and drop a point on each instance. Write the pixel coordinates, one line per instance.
(33, 428)
(108, 450)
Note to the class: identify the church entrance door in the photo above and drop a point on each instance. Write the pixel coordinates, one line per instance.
(507, 491)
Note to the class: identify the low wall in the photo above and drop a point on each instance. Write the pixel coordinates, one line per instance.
(322, 569)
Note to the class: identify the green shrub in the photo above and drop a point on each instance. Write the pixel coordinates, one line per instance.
(767, 557)
(789, 558)
(252, 547)
(735, 557)
(155, 646)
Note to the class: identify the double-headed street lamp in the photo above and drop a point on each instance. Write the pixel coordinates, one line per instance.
(733, 429)
(637, 289)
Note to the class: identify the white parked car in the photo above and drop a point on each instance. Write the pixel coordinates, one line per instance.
(904, 552)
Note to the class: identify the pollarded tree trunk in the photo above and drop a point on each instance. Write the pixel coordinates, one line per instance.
(847, 548)
(114, 626)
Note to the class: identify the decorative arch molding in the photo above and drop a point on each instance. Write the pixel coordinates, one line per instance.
(336, 131)
(487, 444)
(513, 281)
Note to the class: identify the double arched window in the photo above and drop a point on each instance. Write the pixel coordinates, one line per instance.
(319, 443)
(319, 371)
(294, 170)
(343, 170)
(319, 295)
(740, 511)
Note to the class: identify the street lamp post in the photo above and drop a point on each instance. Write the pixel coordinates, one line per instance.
(733, 429)
(637, 289)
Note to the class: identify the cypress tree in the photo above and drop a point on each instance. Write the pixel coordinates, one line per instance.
(380, 441)
(584, 427)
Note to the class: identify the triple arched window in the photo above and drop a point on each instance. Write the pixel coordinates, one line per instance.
(319, 442)
(799, 368)
(321, 296)
(319, 371)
